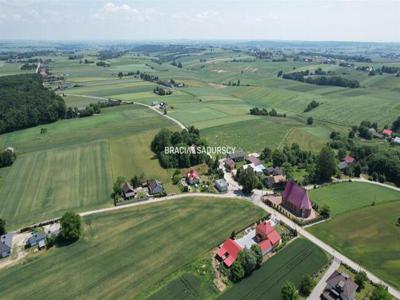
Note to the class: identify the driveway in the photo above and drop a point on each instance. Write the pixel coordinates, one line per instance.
(319, 288)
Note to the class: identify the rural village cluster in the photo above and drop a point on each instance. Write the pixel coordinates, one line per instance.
(207, 170)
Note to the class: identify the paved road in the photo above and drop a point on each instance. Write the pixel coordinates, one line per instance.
(180, 124)
(319, 288)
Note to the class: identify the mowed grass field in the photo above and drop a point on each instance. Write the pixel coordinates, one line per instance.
(369, 236)
(297, 259)
(74, 165)
(346, 196)
(125, 253)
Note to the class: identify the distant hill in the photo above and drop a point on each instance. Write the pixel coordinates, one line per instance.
(25, 102)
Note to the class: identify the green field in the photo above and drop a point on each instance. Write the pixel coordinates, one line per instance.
(291, 264)
(251, 135)
(74, 165)
(186, 286)
(343, 197)
(124, 254)
(369, 236)
(44, 184)
(113, 122)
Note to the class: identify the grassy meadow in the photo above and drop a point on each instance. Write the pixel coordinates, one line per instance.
(112, 259)
(362, 226)
(297, 259)
(347, 196)
(369, 236)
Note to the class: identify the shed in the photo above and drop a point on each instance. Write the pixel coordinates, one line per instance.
(221, 185)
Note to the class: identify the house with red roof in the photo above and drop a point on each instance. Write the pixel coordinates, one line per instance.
(348, 159)
(228, 252)
(295, 199)
(192, 177)
(387, 132)
(267, 236)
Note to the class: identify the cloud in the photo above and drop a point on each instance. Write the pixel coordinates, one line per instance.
(123, 11)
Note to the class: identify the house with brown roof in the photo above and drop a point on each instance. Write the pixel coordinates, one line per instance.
(276, 181)
(128, 191)
(339, 286)
(229, 164)
(295, 199)
(253, 160)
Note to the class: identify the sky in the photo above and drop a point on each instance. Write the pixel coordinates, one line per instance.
(327, 20)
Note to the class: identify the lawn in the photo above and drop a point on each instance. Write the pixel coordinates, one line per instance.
(369, 236)
(124, 254)
(291, 264)
(346, 196)
(44, 184)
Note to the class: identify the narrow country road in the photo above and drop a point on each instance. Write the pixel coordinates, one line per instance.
(355, 179)
(180, 124)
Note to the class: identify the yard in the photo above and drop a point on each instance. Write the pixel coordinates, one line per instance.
(112, 258)
(297, 259)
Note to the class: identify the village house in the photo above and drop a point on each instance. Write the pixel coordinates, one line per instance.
(257, 169)
(221, 185)
(274, 171)
(387, 132)
(37, 239)
(229, 164)
(253, 160)
(339, 286)
(268, 238)
(275, 182)
(192, 177)
(155, 187)
(6, 245)
(237, 156)
(228, 252)
(346, 162)
(295, 199)
(128, 191)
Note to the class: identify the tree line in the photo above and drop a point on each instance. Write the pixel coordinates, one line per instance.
(303, 76)
(264, 112)
(179, 140)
